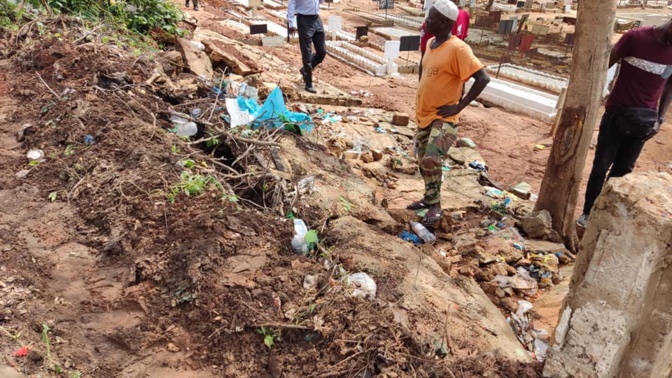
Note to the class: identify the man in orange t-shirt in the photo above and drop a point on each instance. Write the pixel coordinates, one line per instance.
(448, 63)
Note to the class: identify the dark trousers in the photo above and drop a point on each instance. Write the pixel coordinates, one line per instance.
(311, 32)
(615, 153)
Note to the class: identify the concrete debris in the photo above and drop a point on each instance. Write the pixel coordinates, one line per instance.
(466, 142)
(617, 317)
(197, 60)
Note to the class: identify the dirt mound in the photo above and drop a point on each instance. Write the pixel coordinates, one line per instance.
(185, 262)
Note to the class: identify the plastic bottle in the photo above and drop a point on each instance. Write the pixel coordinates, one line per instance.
(422, 232)
(299, 244)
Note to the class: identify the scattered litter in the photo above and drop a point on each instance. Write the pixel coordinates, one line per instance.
(478, 166)
(35, 155)
(539, 147)
(364, 285)
(306, 185)
(196, 45)
(380, 130)
(299, 244)
(24, 129)
(519, 246)
(273, 113)
(237, 117)
(494, 193)
(22, 173)
(21, 352)
(522, 282)
(310, 282)
(88, 139)
(410, 237)
(421, 212)
(195, 113)
(422, 232)
(183, 127)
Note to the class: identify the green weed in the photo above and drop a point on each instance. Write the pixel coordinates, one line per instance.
(270, 336)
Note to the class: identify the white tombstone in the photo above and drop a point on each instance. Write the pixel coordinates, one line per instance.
(391, 53)
(335, 25)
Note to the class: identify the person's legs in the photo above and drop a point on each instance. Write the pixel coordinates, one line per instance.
(441, 136)
(320, 43)
(195, 5)
(306, 30)
(608, 141)
(422, 138)
(626, 157)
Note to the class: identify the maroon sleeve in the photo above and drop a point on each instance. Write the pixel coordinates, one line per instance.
(623, 47)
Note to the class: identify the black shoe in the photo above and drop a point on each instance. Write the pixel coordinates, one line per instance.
(308, 79)
(196, 8)
(186, 4)
(310, 89)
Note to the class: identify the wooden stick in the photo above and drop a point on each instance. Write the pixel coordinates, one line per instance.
(48, 87)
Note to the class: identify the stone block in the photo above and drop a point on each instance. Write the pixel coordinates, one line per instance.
(400, 119)
(618, 313)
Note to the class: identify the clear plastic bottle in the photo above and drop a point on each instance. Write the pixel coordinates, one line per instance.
(422, 232)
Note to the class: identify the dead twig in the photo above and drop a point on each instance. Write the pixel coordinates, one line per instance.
(48, 87)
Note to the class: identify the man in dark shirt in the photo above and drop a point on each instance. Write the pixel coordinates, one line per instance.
(636, 106)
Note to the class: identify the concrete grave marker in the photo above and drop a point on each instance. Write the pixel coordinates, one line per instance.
(392, 49)
(335, 25)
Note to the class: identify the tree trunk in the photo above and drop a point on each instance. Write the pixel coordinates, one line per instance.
(490, 4)
(560, 186)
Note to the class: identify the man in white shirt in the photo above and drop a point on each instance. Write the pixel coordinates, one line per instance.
(311, 32)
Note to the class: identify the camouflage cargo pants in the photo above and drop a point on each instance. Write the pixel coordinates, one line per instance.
(434, 141)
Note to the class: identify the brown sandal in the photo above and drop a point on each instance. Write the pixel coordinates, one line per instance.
(432, 217)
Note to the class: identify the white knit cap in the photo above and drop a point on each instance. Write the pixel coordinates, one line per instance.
(447, 8)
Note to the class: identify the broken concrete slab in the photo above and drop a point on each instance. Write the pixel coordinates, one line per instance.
(326, 94)
(197, 61)
(393, 33)
(227, 51)
(617, 318)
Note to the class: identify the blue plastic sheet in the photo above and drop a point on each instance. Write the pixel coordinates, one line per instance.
(273, 113)
(410, 237)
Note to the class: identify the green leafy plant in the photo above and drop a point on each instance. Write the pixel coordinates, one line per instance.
(53, 196)
(194, 184)
(270, 336)
(347, 205)
(69, 150)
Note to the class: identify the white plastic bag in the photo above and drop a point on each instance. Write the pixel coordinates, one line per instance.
(299, 244)
(364, 285)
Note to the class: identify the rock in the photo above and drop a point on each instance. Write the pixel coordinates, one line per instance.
(466, 142)
(377, 155)
(467, 244)
(503, 248)
(310, 281)
(172, 348)
(500, 293)
(197, 61)
(367, 157)
(351, 155)
(616, 319)
(464, 155)
(510, 303)
(400, 119)
(537, 225)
